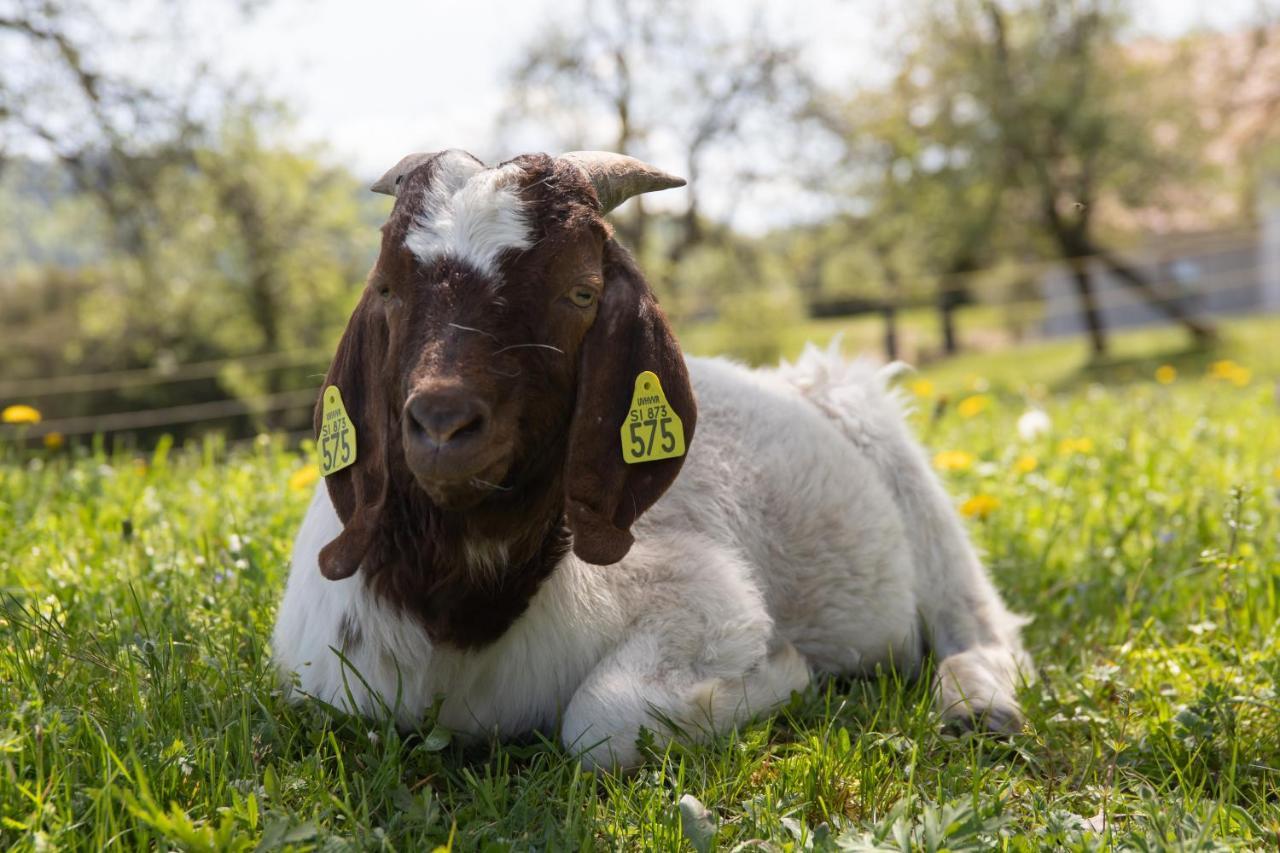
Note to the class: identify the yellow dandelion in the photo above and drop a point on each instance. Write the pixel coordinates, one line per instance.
(1026, 464)
(54, 440)
(1276, 473)
(1222, 368)
(953, 460)
(979, 506)
(1073, 446)
(20, 414)
(1166, 374)
(1229, 371)
(304, 478)
(922, 388)
(974, 405)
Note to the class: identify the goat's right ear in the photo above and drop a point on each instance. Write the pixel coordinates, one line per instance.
(359, 491)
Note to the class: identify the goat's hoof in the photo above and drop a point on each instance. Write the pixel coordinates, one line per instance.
(996, 719)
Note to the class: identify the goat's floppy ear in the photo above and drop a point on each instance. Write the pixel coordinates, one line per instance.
(358, 492)
(605, 495)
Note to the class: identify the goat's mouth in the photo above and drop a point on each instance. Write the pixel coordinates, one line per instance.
(455, 486)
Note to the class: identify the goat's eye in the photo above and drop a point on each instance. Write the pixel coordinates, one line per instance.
(384, 292)
(583, 297)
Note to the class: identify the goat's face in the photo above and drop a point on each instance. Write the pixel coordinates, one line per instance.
(500, 330)
(488, 285)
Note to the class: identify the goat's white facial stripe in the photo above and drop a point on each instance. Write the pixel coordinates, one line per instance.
(469, 213)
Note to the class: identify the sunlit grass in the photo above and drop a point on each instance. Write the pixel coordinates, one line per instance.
(1139, 530)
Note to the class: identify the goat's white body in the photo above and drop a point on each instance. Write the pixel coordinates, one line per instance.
(805, 531)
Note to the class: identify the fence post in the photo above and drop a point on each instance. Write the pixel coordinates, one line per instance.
(1269, 243)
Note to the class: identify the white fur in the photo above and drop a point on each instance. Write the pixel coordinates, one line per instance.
(806, 531)
(469, 213)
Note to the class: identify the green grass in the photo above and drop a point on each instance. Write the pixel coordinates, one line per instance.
(137, 708)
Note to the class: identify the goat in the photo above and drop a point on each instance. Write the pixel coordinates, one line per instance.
(491, 545)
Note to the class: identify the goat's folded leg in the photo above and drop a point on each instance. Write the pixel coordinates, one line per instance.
(639, 685)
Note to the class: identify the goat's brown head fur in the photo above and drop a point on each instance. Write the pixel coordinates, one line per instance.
(487, 369)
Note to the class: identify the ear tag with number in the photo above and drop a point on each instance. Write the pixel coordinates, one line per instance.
(652, 430)
(337, 445)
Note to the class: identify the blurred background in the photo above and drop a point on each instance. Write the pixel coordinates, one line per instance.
(185, 224)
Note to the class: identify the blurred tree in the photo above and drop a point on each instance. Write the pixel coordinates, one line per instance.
(1079, 120)
(921, 162)
(647, 77)
(75, 88)
(1000, 113)
(150, 224)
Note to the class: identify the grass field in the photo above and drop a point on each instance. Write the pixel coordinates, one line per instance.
(137, 707)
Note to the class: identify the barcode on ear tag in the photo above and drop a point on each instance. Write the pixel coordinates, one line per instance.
(337, 446)
(652, 430)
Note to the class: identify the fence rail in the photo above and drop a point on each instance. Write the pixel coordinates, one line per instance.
(172, 415)
(22, 390)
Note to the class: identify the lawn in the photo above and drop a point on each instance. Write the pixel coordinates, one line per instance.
(137, 707)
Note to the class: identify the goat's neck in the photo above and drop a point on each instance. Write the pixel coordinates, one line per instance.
(466, 576)
(503, 537)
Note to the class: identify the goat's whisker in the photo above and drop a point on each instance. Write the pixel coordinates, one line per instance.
(489, 485)
(473, 329)
(523, 346)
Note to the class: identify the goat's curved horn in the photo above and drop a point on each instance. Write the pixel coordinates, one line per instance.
(389, 183)
(618, 177)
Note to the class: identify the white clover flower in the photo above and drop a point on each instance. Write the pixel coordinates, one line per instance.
(1033, 423)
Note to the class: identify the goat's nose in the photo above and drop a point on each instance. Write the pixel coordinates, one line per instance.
(441, 417)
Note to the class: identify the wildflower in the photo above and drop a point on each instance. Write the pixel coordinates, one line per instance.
(977, 383)
(973, 405)
(1033, 424)
(1166, 374)
(304, 478)
(1072, 446)
(922, 388)
(1228, 371)
(1026, 464)
(54, 440)
(1276, 473)
(953, 460)
(979, 506)
(20, 414)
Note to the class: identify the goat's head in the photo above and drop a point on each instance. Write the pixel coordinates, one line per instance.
(495, 348)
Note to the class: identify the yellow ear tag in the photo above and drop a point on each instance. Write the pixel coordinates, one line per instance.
(337, 444)
(652, 430)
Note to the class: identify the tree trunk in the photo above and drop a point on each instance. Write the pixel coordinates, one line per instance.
(948, 301)
(889, 310)
(1089, 305)
(1171, 306)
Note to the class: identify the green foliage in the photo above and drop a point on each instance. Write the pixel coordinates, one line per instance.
(247, 250)
(138, 709)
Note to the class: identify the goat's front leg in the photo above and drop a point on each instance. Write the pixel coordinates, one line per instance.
(700, 653)
(647, 683)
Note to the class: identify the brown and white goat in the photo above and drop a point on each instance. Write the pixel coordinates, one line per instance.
(491, 545)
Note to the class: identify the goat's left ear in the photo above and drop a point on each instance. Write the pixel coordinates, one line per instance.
(605, 495)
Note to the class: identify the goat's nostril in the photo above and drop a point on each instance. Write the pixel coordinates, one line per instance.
(440, 419)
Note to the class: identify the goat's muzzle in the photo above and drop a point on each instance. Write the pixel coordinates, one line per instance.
(449, 442)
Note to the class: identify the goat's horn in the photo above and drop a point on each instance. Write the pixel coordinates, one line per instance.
(389, 184)
(618, 177)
